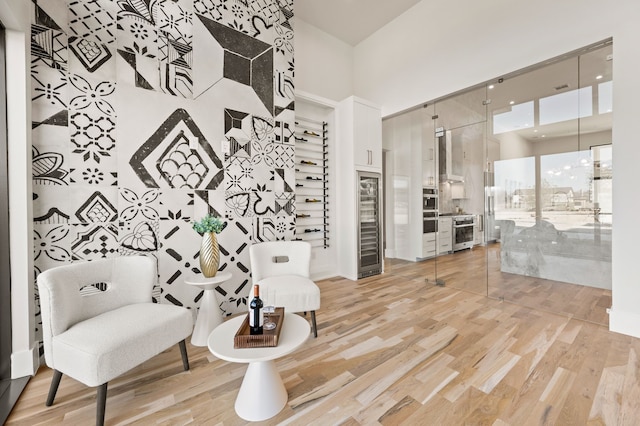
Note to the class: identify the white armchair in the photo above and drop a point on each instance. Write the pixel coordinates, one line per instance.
(281, 268)
(96, 336)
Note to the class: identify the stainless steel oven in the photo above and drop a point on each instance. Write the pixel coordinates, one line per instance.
(429, 222)
(463, 231)
(429, 210)
(429, 199)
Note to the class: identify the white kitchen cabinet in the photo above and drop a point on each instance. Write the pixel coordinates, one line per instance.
(362, 132)
(478, 230)
(359, 148)
(429, 248)
(444, 238)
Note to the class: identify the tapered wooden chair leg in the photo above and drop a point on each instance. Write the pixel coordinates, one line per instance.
(183, 352)
(101, 404)
(313, 322)
(55, 382)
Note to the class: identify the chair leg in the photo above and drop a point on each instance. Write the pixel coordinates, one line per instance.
(185, 358)
(101, 403)
(315, 326)
(55, 382)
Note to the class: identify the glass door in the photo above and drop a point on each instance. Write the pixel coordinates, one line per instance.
(548, 192)
(460, 131)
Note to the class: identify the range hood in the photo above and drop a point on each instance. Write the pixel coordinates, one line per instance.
(450, 157)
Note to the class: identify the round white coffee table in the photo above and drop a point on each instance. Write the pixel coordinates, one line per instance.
(209, 315)
(262, 394)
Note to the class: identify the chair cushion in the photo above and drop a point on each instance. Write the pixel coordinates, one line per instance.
(296, 293)
(101, 348)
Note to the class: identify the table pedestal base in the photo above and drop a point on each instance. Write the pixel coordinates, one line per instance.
(262, 394)
(209, 317)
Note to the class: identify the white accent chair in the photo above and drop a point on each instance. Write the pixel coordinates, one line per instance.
(281, 268)
(98, 335)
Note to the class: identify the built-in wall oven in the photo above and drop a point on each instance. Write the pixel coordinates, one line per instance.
(429, 210)
(463, 231)
(429, 199)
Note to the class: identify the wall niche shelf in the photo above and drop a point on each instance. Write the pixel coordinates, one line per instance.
(312, 182)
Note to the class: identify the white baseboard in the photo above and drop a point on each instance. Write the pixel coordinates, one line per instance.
(322, 275)
(25, 363)
(624, 322)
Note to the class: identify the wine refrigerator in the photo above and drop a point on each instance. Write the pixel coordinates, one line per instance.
(370, 224)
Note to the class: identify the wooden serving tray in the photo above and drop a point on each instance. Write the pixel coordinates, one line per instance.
(269, 338)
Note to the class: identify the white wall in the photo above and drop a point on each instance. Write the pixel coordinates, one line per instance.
(438, 48)
(323, 260)
(324, 64)
(14, 14)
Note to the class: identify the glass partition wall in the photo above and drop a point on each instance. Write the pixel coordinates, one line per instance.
(549, 158)
(523, 172)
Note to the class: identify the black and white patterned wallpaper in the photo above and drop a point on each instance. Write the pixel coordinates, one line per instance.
(132, 104)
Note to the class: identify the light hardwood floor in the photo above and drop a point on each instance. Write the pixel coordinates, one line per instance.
(391, 350)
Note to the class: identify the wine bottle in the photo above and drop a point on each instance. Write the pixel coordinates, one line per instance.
(307, 132)
(256, 317)
(309, 163)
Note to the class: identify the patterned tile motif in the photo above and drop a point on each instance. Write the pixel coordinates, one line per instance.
(52, 242)
(51, 14)
(94, 241)
(169, 159)
(176, 60)
(48, 168)
(48, 47)
(92, 55)
(247, 60)
(238, 174)
(234, 242)
(49, 87)
(93, 19)
(131, 103)
(285, 204)
(273, 228)
(177, 258)
(138, 237)
(141, 71)
(46, 207)
(141, 205)
(97, 208)
(86, 95)
(174, 204)
(92, 135)
(238, 204)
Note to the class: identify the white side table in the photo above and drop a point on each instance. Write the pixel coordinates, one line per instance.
(209, 316)
(262, 394)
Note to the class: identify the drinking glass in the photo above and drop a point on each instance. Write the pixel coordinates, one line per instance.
(268, 324)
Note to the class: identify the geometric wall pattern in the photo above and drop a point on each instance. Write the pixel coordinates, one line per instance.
(131, 103)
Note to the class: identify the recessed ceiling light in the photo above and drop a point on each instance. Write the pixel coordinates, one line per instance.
(511, 103)
(544, 136)
(598, 77)
(535, 130)
(491, 86)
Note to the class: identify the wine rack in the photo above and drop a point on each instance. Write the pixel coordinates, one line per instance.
(312, 182)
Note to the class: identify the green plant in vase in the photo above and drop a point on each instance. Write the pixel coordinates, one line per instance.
(208, 227)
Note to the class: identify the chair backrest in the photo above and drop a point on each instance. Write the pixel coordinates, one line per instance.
(273, 258)
(128, 280)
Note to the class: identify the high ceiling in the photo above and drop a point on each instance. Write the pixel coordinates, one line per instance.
(350, 20)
